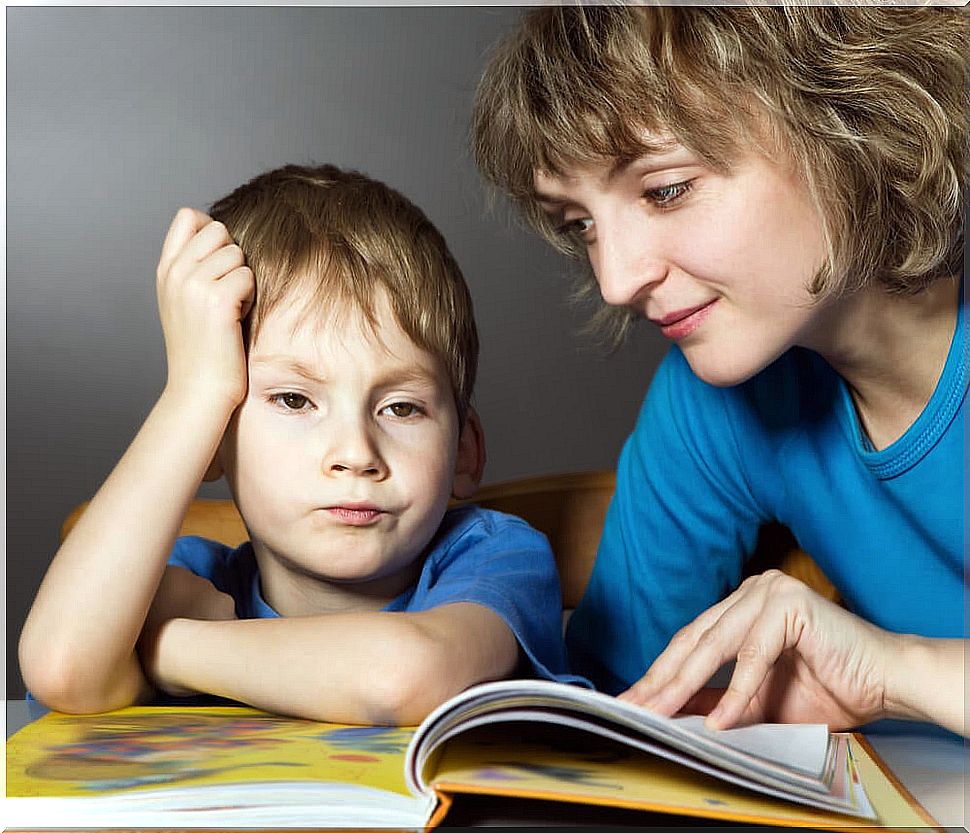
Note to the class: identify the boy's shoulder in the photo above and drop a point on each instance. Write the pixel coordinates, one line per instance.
(233, 571)
(207, 558)
(471, 524)
(473, 541)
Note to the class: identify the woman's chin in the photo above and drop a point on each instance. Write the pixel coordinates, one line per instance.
(722, 370)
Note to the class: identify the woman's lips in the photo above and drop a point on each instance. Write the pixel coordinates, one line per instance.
(683, 322)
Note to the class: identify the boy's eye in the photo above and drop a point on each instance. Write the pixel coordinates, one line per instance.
(667, 195)
(402, 410)
(291, 401)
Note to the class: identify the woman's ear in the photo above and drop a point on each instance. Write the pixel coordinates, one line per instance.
(470, 464)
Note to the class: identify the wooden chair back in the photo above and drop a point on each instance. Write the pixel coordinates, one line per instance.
(569, 508)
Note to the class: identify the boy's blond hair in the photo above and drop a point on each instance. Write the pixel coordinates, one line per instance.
(869, 104)
(340, 237)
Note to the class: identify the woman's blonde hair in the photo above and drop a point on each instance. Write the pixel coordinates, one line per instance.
(869, 104)
(339, 238)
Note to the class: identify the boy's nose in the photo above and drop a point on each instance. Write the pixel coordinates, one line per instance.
(353, 451)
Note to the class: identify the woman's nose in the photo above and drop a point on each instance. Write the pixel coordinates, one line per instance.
(627, 263)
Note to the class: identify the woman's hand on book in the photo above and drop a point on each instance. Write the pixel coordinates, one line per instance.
(799, 659)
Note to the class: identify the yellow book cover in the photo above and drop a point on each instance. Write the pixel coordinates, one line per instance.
(199, 766)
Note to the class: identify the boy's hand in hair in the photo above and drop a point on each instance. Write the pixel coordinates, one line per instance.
(204, 291)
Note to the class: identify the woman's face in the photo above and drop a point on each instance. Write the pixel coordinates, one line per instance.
(720, 262)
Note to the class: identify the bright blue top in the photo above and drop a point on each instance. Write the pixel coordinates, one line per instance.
(705, 467)
(477, 555)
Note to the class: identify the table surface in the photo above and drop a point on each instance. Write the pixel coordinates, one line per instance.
(930, 764)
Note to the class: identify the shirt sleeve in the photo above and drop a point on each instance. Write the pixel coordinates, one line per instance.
(500, 562)
(203, 557)
(680, 521)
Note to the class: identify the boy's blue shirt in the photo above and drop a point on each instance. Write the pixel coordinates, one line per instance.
(705, 467)
(477, 555)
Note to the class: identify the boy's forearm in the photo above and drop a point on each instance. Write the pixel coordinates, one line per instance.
(77, 647)
(370, 668)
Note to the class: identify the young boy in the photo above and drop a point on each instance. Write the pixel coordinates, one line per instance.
(321, 355)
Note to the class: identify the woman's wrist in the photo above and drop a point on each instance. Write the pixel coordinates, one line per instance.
(908, 658)
(926, 681)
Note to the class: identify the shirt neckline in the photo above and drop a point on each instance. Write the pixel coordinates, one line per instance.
(931, 424)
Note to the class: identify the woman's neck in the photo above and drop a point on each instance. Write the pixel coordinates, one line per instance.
(891, 351)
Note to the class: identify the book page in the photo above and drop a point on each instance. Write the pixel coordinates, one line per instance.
(567, 767)
(139, 749)
(800, 746)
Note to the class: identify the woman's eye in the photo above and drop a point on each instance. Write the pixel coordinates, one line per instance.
(667, 195)
(291, 401)
(577, 227)
(402, 410)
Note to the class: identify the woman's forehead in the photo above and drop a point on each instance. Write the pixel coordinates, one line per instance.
(658, 151)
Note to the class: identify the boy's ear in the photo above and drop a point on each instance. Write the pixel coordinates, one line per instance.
(470, 464)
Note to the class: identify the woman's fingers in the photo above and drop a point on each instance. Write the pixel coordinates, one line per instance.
(722, 641)
(769, 634)
(746, 626)
(683, 644)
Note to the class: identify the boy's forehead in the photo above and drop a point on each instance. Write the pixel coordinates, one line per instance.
(302, 332)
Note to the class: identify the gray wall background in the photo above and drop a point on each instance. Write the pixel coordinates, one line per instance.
(117, 116)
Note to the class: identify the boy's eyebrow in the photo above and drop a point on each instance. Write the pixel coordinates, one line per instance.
(287, 363)
(405, 374)
(393, 376)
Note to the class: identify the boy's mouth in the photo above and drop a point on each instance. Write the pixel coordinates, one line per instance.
(355, 514)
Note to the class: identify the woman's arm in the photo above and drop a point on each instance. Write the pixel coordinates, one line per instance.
(927, 681)
(77, 649)
(801, 658)
(373, 667)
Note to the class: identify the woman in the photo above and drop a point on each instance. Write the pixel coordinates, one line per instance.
(780, 191)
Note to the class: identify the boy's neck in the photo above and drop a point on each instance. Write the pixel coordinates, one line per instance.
(291, 591)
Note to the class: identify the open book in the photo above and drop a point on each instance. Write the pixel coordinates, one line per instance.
(196, 766)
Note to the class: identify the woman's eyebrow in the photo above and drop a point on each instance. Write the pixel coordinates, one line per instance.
(657, 155)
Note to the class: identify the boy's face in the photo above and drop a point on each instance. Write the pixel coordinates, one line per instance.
(341, 458)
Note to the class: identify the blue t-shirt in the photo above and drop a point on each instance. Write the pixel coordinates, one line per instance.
(705, 467)
(477, 555)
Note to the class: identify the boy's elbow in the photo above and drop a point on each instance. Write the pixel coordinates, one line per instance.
(64, 683)
(415, 680)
